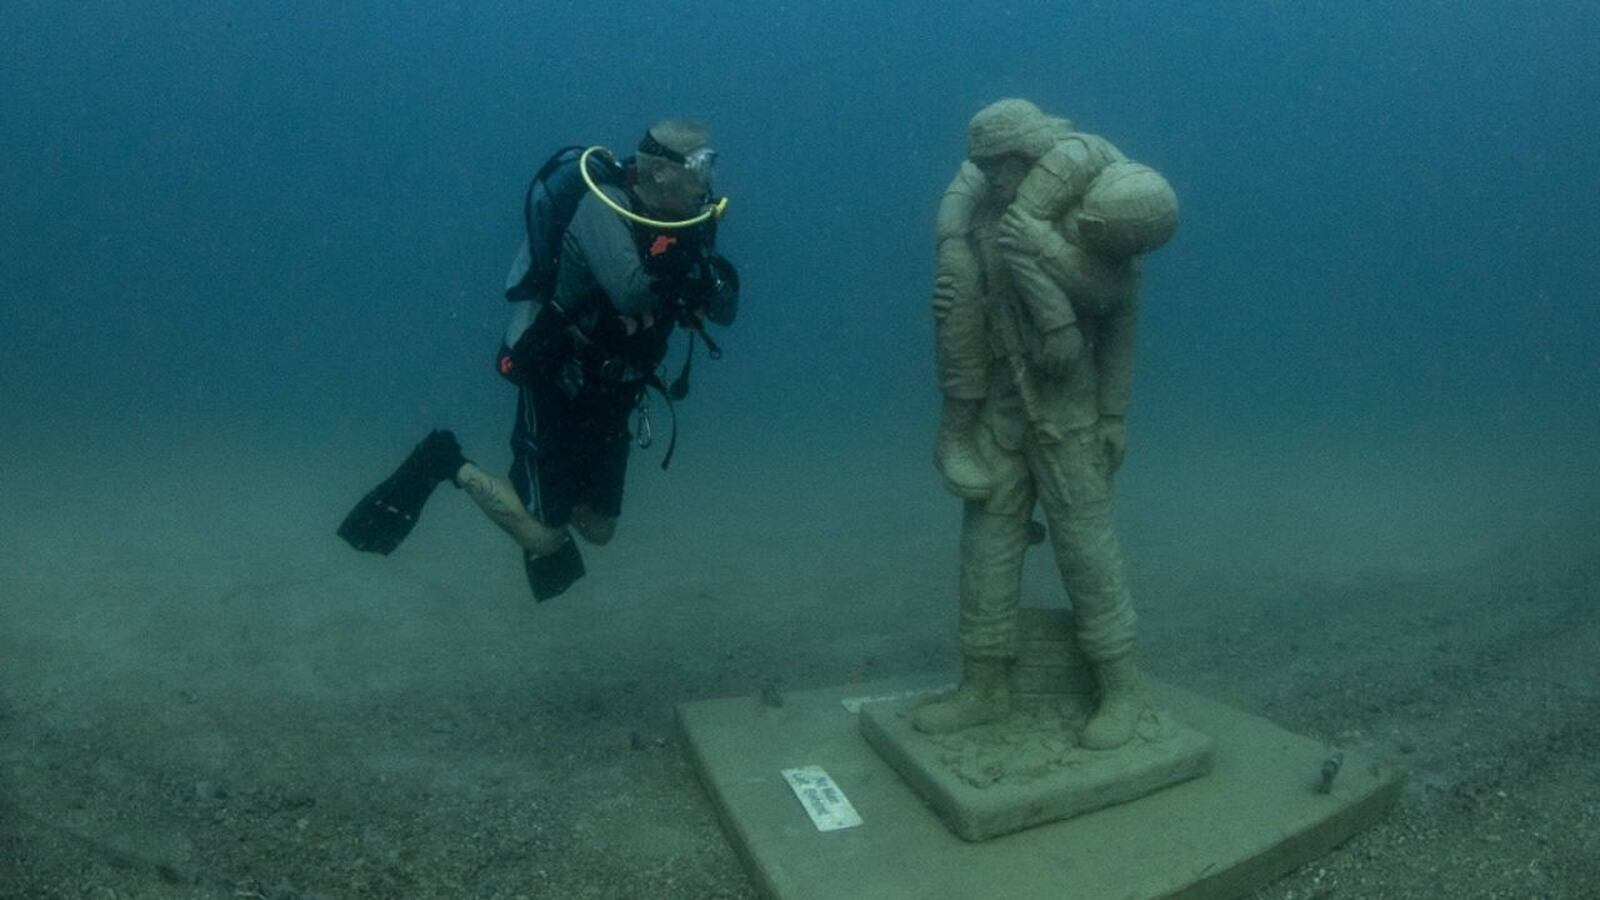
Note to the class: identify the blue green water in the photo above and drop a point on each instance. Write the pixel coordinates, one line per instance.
(251, 251)
(306, 211)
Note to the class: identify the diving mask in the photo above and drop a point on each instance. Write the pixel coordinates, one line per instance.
(697, 161)
(701, 161)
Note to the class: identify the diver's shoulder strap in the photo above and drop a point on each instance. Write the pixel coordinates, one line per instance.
(547, 209)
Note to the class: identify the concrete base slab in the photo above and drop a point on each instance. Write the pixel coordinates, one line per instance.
(1257, 815)
(1027, 771)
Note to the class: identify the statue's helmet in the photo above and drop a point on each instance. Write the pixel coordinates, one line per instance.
(1128, 209)
(1013, 127)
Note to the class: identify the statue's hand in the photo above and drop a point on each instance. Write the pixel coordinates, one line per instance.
(1112, 434)
(1020, 232)
(1059, 349)
(944, 295)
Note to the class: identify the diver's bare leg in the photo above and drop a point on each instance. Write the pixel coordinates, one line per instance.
(498, 500)
(592, 526)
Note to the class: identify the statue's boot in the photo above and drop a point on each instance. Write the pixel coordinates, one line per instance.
(1122, 701)
(983, 697)
(955, 451)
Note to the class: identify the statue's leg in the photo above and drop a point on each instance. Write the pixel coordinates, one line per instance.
(962, 349)
(955, 451)
(994, 535)
(1076, 492)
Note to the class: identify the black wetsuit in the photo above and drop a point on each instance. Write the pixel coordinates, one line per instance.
(615, 288)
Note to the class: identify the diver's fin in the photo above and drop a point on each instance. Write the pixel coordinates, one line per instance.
(553, 573)
(388, 512)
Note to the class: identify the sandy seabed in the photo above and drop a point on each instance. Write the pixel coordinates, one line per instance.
(204, 694)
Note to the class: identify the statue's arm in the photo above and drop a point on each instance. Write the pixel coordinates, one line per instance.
(1030, 243)
(1031, 248)
(957, 274)
(1059, 180)
(1113, 356)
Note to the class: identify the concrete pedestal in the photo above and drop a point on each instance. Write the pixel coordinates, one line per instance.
(1027, 771)
(1256, 815)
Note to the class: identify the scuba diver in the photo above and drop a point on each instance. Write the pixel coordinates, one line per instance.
(617, 255)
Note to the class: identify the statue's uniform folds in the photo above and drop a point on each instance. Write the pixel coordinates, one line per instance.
(1041, 442)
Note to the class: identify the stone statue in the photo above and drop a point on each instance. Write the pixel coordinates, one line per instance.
(1039, 239)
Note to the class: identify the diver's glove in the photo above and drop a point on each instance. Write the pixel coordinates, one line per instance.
(711, 293)
(724, 277)
(389, 511)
